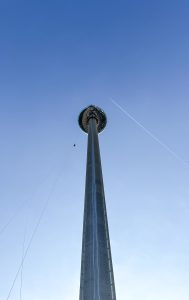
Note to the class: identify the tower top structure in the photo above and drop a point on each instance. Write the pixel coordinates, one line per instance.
(95, 112)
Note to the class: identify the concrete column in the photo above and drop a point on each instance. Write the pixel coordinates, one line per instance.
(97, 279)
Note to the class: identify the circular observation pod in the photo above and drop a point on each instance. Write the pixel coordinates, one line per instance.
(92, 112)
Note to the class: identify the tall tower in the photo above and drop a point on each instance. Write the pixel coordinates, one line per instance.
(97, 279)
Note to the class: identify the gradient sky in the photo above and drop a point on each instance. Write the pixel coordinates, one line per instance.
(56, 57)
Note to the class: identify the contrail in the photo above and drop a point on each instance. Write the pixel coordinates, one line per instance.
(149, 133)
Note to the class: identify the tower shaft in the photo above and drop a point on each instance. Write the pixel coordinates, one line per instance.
(97, 279)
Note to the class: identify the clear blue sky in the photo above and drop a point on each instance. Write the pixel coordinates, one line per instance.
(56, 57)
